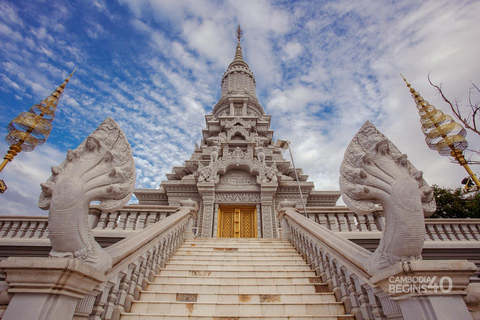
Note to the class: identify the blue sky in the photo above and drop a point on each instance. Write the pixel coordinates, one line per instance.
(322, 69)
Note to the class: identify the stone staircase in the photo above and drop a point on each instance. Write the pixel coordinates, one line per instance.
(237, 279)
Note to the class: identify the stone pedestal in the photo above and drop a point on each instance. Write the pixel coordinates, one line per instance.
(47, 288)
(428, 289)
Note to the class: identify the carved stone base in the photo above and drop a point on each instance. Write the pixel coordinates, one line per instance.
(428, 289)
(46, 288)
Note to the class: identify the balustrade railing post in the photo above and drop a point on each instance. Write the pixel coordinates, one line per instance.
(354, 301)
(85, 306)
(131, 220)
(12, 232)
(122, 220)
(130, 290)
(344, 289)
(93, 217)
(6, 228)
(99, 305)
(31, 229)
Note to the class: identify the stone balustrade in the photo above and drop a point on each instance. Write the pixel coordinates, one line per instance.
(368, 294)
(341, 219)
(25, 227)
(135, 262)
(452, 229)
(338, 219)
(339, 263)
(131, 219)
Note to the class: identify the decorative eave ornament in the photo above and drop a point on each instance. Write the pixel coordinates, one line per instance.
(374, 172)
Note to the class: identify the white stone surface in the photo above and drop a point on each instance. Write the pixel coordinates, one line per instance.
(225, 278)
(46, 288)
(374, 172)
(442, 296)
(101, 169)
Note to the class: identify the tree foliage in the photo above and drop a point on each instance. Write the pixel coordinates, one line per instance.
(454, 203)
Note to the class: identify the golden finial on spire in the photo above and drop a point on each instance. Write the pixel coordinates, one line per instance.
(239, 33)
(441, 132)
(31, 128)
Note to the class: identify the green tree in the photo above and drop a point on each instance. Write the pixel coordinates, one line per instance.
(454, 203)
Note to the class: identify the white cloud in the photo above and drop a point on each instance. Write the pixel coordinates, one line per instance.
(293, 49)
(322, 69)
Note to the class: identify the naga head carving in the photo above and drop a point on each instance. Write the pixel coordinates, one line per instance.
(374, 172)
(101, 169)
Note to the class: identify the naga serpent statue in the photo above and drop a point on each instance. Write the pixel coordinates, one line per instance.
(100, 169)
(374, 172)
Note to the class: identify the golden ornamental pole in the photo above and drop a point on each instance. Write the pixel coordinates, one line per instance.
(442, 133)
(31, 128)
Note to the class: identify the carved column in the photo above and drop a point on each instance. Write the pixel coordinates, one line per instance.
(268, 190)
(207, 191)
(259, 221)
(215, 220)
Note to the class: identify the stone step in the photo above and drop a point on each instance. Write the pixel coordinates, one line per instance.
(289, 259)
(236, 243)
(129, 316)
(237, 240)
(237, 267)
(236, 279)
(238, 254)
(234, 246)
(305, 288)
(248, 279)
(235, 250)
(236, 297)
(239, 263)
(236, 273)
(237, 309)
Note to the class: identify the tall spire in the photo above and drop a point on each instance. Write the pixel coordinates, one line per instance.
(238, 82)
(31, 128)
(238, 60)
(441, 132)
(238, 53)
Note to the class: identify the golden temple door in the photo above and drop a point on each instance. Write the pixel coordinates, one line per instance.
(237, 222)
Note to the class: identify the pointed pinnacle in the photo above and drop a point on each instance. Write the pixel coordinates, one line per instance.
(68, 79)
(408, 84)
(239, 34)
(71, 74)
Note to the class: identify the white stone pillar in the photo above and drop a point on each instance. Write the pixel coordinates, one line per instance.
(47, 288)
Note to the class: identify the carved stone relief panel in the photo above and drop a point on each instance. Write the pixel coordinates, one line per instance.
(207, 220)
(237, 197)
(237, 180)
(267, 221)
